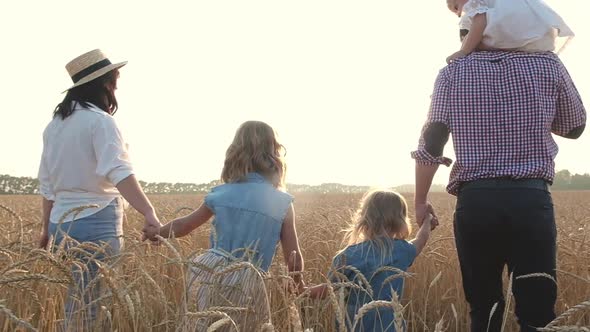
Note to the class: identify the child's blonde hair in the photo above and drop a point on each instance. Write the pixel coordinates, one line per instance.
(382, 213)
(255, 148)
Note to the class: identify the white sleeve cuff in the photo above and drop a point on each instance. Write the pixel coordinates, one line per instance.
(47, 193)
(119, 174)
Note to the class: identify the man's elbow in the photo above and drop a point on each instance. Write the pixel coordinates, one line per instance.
(435, 138)
(576, 132)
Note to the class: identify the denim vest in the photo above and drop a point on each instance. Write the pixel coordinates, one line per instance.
(248, 219)
(368, 259)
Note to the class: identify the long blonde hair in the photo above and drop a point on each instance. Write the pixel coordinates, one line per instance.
(382, 214)
(255, 148)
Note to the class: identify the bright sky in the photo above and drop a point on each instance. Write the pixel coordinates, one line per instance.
(345, 83)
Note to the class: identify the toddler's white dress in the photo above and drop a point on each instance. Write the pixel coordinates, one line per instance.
(526, 25)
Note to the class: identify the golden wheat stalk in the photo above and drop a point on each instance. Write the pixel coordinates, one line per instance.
(432, 283)
(367, 307)
(220, 323)
(579, 307)
(339, 311)
(565, 329)
(170, 246)
(492, 312)
(65, 270)
(212, 314)
(75, 212)
(7, 254)
(19, 322)
(456, 316)
(30, 292)
(34, 276)
(398, 314)
(11, 212)
(537, 275)
(226, 309)
(439, 327)
(508, 301)
(17, 264)
(358, 274)
(157, 287)
(267, 327)
(395, 270)
(575, 276)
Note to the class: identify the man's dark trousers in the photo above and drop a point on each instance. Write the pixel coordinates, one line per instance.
(503, 222)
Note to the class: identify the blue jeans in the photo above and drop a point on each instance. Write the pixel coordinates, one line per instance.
(103, 228)
(501, 222)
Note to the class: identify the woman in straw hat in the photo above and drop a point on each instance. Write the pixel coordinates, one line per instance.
(85, 168)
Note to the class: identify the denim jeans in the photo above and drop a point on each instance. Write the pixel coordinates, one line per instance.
(497, 223)
(103, 228)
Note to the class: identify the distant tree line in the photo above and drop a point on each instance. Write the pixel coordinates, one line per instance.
(18, 185)
(10, 185)
(564, 180)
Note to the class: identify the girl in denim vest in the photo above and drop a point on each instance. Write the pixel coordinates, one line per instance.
(377, 252)
(252, 214)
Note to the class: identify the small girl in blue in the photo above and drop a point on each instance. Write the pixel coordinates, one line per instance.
(378, 249)
(252, 214)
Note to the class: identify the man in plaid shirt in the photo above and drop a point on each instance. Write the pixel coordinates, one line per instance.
(501, 109)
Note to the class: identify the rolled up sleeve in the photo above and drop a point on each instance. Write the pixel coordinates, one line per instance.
(435, 132)
(45, 186)
(570, 112)
(112, 157)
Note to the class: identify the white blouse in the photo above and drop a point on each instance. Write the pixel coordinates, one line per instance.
(84, 158)
(525, 25)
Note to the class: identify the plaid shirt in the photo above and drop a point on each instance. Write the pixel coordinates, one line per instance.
(500, 109)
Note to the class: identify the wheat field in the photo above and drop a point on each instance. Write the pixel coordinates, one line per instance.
(146, 284)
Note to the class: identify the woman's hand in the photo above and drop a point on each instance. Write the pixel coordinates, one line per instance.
(151, 227)
(47, 206)
(44, 240)
(132, 192)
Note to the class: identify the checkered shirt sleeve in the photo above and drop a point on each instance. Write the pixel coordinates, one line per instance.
(439, 109)
(570, 112)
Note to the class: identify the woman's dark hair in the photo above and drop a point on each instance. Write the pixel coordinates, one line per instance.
(96, 92)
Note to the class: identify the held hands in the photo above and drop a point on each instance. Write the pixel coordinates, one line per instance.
(300, 287)
(294, 285)
(429, 222)
(151, 227)
(316, 291)
(425, 213)
(457, 55)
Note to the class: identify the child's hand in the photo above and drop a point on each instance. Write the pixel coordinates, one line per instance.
(318, 291)
(457, 55)
(300, 287)
(430, 220)
(294, 285)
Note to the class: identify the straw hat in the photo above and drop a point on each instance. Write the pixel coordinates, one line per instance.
(90, 66)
